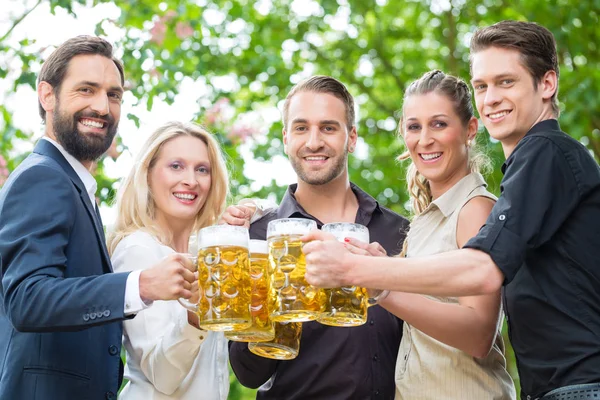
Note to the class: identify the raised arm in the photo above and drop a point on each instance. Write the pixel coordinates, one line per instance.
(251, 370)
(464, 272)
(160, 337)
(470, 325)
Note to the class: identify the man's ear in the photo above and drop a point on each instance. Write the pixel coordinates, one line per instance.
(46, 96)
(284, 140)
(352, 138)
(549, 84)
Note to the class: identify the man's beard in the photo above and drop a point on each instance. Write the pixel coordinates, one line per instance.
(315, 177)
(84, 147)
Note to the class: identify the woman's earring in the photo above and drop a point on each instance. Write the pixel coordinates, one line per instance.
(469, 143)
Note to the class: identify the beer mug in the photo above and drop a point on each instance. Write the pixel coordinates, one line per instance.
(262, 329)
(223, 279)
(345, 306)
(293, 299)
(285, 345)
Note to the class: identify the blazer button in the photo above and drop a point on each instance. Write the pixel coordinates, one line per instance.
(93, 315)
(86, 317)
(110, 396)
(113, 350)
(106, 313)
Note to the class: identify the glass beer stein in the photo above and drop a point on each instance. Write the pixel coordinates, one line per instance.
(262, 328)
(285, 345)
(293, 299)
(345, 306)
(223, 279)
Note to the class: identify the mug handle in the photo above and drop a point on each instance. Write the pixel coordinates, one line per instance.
(193, 307)
(188, 305)
(377, 298)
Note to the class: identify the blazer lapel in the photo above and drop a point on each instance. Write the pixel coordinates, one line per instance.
(48, 149)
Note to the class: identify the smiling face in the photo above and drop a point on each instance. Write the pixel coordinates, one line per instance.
(86, 108)
(436, 139)
(317, 138)
(507, 99)
(180, 180)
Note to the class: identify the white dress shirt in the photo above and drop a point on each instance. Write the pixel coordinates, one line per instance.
(133, 302)
(167, 358)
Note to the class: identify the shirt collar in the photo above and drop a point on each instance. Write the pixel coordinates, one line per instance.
(86, 177)
(449, 201)
(542, 126)
(289, 206)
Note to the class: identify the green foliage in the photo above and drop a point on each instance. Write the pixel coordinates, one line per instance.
(375, 47)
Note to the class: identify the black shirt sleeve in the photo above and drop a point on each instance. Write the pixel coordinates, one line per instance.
(251, 370)
(539, 191)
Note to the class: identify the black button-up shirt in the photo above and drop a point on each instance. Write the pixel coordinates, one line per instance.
(544, 235)
(333, 362)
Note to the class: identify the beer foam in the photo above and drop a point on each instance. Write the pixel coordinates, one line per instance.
(213, 236)
(290, 226)
(343, 230)
(259, 247)
(362, 236)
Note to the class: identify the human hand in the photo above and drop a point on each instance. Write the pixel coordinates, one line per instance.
(170, 279)
(238, 215)
(365, 249)
(327, 260)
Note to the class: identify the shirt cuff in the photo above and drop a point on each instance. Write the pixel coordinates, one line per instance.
(189, 332)
(506, 249)
(133, 301)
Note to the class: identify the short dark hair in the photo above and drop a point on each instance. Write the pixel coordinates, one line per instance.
(55, 67)
(322, 84)
(535, 44)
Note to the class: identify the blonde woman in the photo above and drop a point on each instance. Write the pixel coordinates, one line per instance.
(179, 183)
(451, 347)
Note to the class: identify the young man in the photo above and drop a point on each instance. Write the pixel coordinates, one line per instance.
(542, 239)
(333, 363)
(60, 329)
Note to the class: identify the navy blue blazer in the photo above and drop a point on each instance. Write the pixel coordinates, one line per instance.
(60, 329)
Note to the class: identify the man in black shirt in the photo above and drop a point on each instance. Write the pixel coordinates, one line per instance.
(333, 362)
(542, 239)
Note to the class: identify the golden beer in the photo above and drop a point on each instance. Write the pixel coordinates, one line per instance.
(292, 298)
(345, 306)
(285, 345)
(262, 328)
(224, 278)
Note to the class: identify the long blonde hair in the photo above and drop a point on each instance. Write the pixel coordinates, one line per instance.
(135, 205)
(456, 90)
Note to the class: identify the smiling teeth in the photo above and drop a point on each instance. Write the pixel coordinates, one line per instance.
(431, 156)
(498, 115)
(315, 158)
(91, 123)
(184, 196)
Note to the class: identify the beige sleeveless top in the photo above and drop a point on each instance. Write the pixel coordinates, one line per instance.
(427, 369)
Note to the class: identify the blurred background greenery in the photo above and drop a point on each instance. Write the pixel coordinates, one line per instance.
(235, 60)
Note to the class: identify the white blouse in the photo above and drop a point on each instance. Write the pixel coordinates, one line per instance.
(166, 357)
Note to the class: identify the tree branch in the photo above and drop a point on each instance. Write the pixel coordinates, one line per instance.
(18, 21)
(379, 48)
(384, 107)
(451, 42)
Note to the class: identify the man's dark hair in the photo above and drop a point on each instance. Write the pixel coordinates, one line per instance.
(55, 67)
(535, 44)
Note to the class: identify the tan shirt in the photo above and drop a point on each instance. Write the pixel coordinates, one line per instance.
(428, 369)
